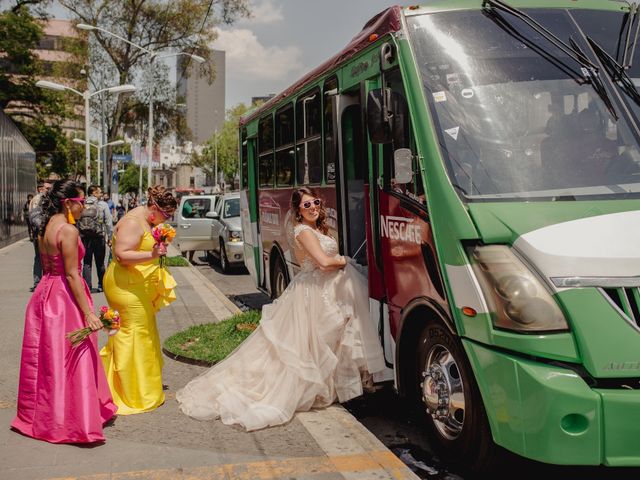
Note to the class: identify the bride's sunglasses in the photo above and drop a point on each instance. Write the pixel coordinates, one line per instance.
(316, 203)
(77, 199)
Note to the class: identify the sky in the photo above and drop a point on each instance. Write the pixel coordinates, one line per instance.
(282, 41)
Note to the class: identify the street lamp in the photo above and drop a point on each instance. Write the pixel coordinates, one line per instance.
(153, 56)
(86, 95)
(99, 148)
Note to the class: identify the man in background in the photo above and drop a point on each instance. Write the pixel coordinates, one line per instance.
(95, 226)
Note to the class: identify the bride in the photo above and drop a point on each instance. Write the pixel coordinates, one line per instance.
(314, 344)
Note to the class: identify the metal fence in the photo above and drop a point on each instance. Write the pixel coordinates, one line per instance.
(17, 180)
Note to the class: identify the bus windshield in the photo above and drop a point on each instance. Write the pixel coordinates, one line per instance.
(518, 118)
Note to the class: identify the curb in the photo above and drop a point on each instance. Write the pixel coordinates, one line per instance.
(188, 360)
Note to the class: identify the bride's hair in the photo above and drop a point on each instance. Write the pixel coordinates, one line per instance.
(296, 200)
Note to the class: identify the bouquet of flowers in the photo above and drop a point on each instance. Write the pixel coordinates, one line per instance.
(163, 234)
(110, 320)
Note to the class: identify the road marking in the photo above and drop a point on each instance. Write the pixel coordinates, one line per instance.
(339, 435)
(265, 470)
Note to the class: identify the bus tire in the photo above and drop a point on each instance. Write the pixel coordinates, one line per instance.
(279, 278)
(449, 396)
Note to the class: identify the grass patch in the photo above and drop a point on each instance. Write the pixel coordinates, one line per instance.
(177, 261)
(212, 342)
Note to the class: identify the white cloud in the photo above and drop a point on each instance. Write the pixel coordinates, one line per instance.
(246, 56)
(265, 12)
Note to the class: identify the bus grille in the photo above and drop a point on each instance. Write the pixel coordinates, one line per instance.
(627, 300)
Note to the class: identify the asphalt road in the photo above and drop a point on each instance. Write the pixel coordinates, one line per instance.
(398, 423)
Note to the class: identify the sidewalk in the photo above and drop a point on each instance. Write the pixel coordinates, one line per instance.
(165, 444)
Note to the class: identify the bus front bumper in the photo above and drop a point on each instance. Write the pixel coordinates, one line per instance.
(549, 414)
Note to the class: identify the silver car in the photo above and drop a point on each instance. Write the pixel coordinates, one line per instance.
(194, 222)
(226, 231)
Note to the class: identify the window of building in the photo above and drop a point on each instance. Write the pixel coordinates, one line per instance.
(308, 136)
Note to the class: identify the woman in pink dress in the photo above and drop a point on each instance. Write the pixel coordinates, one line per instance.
(63, 395)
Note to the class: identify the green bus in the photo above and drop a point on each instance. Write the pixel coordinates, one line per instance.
(481, 161)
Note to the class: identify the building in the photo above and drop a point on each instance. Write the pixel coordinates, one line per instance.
(261, 100)
(176, 171)
(205, 104)
(17, 180)
(62, 52)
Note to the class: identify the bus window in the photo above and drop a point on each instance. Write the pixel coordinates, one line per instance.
(284, 147)
(330, 145)
(403, 139)
(308, 130)
(265, 151)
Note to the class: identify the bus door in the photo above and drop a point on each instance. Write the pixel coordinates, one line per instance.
(352, 173)
(354, 205)
(407, 246)
(249, 212)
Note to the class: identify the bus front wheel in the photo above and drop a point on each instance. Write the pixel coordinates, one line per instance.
(449, 395)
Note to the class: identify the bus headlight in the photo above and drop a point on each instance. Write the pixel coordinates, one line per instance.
(516, 297)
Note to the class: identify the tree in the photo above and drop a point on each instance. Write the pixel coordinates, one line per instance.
(130, 179)
(181, 25)
(36, 112)
(227, 146)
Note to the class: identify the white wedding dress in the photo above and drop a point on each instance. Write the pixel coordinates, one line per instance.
(312, 346)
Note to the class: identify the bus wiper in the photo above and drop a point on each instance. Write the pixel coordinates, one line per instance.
(577, 55)
(597, 84)
(588, 68)
(616, 71)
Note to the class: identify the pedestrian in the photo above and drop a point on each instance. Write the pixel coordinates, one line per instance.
(120, 211)
(25, 215)
(112, 207)
(95, 226)
(63, 395)
(36, 219)
(313, 346)
(137, 287)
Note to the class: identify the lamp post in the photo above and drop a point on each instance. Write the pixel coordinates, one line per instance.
(153, 56)
(99, 148)
(86, 95)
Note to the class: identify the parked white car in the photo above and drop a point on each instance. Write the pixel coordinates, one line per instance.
(226, 232)
(193, 222)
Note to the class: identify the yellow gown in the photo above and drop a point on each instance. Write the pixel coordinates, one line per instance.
(132, 358)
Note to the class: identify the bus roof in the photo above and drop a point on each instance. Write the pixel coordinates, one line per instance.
(386, 21)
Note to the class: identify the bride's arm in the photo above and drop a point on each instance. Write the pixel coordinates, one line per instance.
(312, 247)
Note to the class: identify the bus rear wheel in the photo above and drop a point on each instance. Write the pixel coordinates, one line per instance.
(279, 280)
(451, 400)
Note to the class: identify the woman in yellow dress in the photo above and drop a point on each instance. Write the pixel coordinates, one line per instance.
(137, 287)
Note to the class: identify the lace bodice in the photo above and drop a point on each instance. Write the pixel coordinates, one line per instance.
(328, 244)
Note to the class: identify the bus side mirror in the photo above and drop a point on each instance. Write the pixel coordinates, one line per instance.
(379, 117)
(402, 166)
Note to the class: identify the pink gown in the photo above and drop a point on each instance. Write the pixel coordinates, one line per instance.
(63, 395)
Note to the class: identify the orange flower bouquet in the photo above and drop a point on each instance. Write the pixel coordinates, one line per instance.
(110, 320)
(163, 234)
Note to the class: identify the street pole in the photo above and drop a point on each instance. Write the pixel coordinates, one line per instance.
(150, 140)
(87, 151)
(215, 157)
(140, 179)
